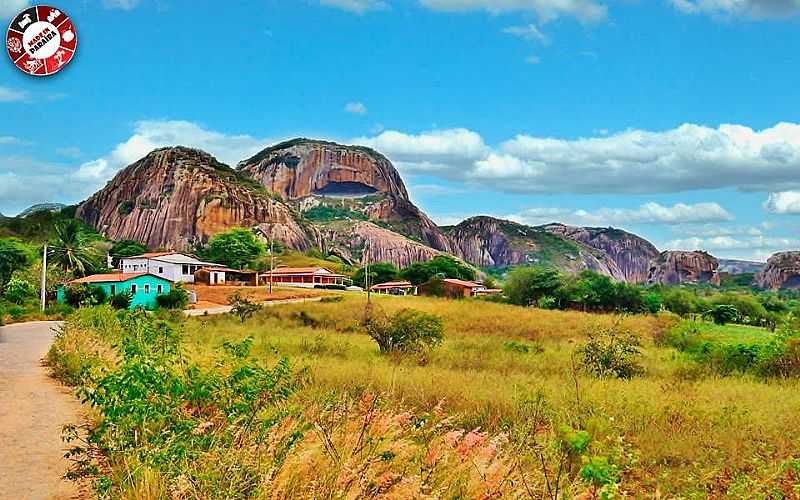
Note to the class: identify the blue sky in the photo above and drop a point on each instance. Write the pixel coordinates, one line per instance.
(676, 119)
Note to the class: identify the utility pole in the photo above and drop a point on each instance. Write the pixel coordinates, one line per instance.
(366, 269)
(43, 284)
(271, 258)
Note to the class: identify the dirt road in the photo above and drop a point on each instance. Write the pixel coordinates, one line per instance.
(33, 408)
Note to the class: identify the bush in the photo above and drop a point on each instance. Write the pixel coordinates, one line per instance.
(723, 314)
(121, 300)
(177, 298)
(84, 295)
(612, 352)
(243, 306)
(19, 291)
(408, 331)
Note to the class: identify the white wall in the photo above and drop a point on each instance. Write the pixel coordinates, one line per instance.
(172, 272)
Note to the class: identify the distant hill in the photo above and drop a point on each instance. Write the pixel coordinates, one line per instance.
(42, 207)
(734, 266)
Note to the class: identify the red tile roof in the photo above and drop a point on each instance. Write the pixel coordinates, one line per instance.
(150, 255)
(457, 282)
(107, 278)
(300, 270)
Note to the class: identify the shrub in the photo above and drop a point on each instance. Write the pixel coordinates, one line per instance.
(408, 331)
(121, 300)
(612, 352)
(177, 298)
(523, 347)
(723, 314)
(84, 295)
(242, 306)
(19, 291)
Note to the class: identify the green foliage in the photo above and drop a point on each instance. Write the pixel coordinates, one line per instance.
(380, 272)
(324, 213)
(83, 294)
(523, 347)
(242, 306)
(121, 300)
(723, 314)
(407, 331)
(19, 291)
(126, 248)
(526, 285)
(611, 352)
(125, 208)
(14, 255)
(441, 265)
(237, 248)
(176, 299)
(72, 248)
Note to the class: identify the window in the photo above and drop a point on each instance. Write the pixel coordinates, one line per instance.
(133, 288)
(185, 269)
(147, 288)
(160, 270)
(113, 289)
(159, 289)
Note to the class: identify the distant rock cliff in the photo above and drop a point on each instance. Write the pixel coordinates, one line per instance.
(489, 242)
(674, 267)
(179, 197)
(781, 272)
(630, 253)
(335, 175)
(733, 266)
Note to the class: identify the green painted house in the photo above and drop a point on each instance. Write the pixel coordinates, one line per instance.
(144, 287)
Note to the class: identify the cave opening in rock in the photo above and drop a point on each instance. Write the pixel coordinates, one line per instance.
(346, 190)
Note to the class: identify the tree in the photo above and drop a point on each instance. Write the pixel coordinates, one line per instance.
(72, 248)
(13, 256)
(441, 265)
(379, 272)
(19, 290)
(723, 314)
(526, 285)
(126, 248)
(242, 306)
(237, 248)
(408, 331)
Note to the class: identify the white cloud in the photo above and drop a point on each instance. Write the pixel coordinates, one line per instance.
(10, 8)
(689, 157)
(763, 243)
(786, 202)
(546, 10)
(532, 60)
(356, 108)
(529, 32)
(6, 140)
(8, 94)
(359, 7)
(753, 9)
(648, 213)
(713, 230)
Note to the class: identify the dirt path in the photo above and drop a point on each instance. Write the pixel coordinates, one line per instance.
(219, 309)
(33, 408)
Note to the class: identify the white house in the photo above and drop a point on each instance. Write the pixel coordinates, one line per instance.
(176, 267)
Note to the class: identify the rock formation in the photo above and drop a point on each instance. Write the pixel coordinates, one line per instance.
(676, 267)
(630, 253)
(489, 242)
(733, 266)
(782, 272)
(331, 173)
(179, 197)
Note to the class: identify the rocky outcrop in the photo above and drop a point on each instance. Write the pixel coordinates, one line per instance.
(733, 266)
(630, 253)
(178, 197)
(349, 241)
(490, 242)
(676, 267)
(782, 272)
(42, 207)
(333, 174)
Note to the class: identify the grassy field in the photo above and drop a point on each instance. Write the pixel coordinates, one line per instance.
(731, 333)
(678, 430)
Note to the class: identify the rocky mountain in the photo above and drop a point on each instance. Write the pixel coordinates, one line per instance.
(631, 254)
(781, 272)
(733, 266)
(489, 242)
(676, 267)
(309, 174)
(179, 197)
(49, 207)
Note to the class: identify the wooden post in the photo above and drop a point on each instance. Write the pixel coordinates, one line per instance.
(43, 292)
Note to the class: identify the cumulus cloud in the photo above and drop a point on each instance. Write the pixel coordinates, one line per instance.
(10, 8)
(529, 32)
(786, 202)
(355, 108)
(754, 9)
(24, 181)
(546, 10)
(689, 157)
(763, 243)
(8, 94)
(648, 213)
(359, 7)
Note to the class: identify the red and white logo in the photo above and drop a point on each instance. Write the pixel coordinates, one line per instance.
(41, 40)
